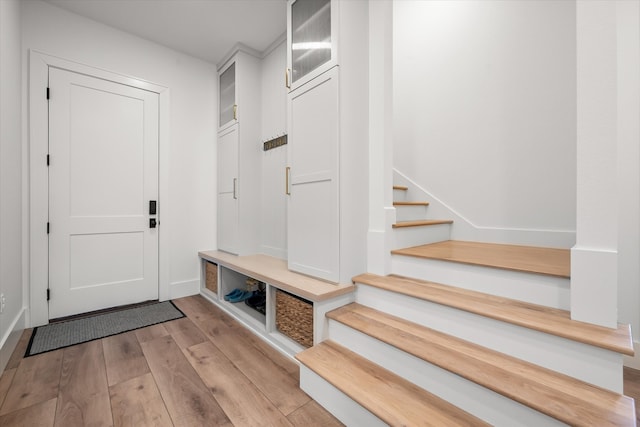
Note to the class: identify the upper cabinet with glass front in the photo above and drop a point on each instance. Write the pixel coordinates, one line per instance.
(228, 105)
(311, 39)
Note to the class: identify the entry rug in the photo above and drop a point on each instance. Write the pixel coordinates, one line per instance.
(64, 334)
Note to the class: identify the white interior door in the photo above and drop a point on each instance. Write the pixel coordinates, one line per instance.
(103, 146)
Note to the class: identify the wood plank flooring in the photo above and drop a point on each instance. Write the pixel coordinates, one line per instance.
(205, 369)
(548, 261)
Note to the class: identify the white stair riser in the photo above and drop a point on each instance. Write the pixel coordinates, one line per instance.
(538, 289)
(587, 363)
(466, 395)
(410, 213)
(400, 195)
(405, 237)
(333, 400)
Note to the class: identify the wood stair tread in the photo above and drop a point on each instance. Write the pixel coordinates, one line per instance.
(400, 187)
(400, 203)
(531, 259)
(419, 223)
(557, 395)
(532, 316)
(391, 398)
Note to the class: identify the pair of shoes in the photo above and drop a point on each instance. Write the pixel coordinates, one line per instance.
(234, 293)
(257, 301)
(243, 295)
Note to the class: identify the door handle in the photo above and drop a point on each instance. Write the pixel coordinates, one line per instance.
(235, 112)
(235, 182)
(152, 223)
(286, 79)
(287, 174)
(153, 206)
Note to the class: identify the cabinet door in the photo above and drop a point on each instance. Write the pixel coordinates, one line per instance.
(313, 213)
(312, 44)
(227, 105)
(228, 190)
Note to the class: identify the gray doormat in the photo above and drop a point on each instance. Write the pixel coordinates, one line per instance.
(64, 334)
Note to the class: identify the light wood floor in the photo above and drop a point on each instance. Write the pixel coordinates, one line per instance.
(203, 370)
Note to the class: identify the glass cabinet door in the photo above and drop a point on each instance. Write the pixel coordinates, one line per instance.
(311, 43)
(227, 95)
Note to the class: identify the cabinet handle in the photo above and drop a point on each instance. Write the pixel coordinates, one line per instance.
(287, 173)
(286, 79)
(235, 194)
(235, 112)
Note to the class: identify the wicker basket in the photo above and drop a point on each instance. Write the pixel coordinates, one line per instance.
(294, 317)
(211, 281)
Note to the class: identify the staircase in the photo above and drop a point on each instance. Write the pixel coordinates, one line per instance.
(483, 337)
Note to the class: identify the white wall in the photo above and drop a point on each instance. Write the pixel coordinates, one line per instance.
(11, 287)
(273, 204)
(484, 108)
(189, 214)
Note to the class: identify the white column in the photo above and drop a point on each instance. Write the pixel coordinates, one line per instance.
(594, 258)
(381, 210)
(628, 15)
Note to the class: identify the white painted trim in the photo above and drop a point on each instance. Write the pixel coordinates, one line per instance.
(185, 288)
(594, 286)
(465, 229)
(39, 64)
(11, 338)
(277, 42)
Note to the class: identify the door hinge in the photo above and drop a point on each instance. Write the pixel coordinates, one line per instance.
(48, 294)
(47, 228)
(47, 160)
(48, 94)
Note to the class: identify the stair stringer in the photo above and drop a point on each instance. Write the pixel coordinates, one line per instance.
(550, 291)
(477, 400)
(585, 362)
(464, 229)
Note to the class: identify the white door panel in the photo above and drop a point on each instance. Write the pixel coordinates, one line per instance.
(103, 143)
(313, 212)
(228, 190)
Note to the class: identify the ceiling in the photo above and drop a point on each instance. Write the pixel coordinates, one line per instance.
(206, 29)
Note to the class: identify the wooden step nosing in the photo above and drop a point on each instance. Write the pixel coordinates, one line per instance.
(401, 203)
(421, 223)
(544, 382)
(435, 403)
(488, 306)
(546, 261)
(402, 252)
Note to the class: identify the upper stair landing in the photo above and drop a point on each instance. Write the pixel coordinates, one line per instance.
(528, 259)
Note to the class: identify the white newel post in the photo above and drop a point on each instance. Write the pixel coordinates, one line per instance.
(381, 210)
(594, 258)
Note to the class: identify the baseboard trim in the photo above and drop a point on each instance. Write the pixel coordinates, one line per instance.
(186, 288)
(464, 229)
(11, 338)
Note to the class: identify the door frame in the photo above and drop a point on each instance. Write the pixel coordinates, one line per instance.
(38, 268)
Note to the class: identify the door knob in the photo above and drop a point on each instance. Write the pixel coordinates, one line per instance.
(152, 223)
